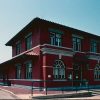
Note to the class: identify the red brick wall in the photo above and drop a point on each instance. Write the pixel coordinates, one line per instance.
(35, 40)
(43, 66)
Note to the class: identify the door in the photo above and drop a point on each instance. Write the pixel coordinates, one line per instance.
(77, 75)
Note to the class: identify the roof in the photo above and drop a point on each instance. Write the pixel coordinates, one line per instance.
(30, 53)
(9, 43)
(35, 21)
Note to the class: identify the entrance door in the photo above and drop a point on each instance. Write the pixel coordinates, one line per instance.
(77, 75)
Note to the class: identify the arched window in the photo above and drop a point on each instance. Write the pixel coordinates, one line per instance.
(97, 72)
(59, 69)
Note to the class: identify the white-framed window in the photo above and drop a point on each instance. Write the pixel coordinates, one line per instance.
(18, 71)
(18, 47)
(28, 70)
(93, 46)
(97, 72)
(55, 39)
(59, 69)
(76, 43)
(28, 41)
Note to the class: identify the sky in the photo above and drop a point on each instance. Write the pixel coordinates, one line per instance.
(15, 14)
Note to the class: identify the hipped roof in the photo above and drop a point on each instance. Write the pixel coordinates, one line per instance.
(39, 21)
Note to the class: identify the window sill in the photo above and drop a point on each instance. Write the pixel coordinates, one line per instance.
(59, 80)
(57, 46)
(97, 80)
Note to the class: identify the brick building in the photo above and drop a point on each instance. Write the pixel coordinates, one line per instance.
(45, 50)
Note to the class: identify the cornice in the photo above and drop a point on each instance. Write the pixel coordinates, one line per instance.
(56, 52)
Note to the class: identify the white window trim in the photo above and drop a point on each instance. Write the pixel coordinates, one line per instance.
(26, 68)
(17, 65)
(58, 67)
(18, 42)
(77, 36)
(28, 34)
(97, 73)
(94, 50)
(78, 43)
(55, 37)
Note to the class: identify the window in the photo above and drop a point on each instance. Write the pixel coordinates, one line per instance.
(93, 46)
(29, 70)
(76, 44)
(18, 48)
(59, 70)
(97, 72)
(56, 39)
(18, 71)
(28, 42)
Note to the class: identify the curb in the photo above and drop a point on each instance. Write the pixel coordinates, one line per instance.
(10, 93)
(86, 94)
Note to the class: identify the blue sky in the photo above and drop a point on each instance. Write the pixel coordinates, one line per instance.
(15, 14)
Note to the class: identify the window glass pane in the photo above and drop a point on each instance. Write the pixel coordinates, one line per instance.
(18, 48)
(76, 44)
(55, 39)
(97, 72)
(56, 71)
(18, 71)
(93, 46)
(59, 70)
(52, 36)
(28, 42)
(29, 70)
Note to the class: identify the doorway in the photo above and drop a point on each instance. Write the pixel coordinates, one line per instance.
(77, 75)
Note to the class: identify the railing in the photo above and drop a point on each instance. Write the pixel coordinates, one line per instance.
(47, 86)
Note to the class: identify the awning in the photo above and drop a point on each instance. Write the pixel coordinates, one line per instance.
(20, 57)
(32, 53)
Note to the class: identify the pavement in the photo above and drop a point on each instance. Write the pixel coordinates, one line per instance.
(15, 92)
(20, 93)
(7, 95)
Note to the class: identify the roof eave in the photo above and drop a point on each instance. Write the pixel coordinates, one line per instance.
(9, 43)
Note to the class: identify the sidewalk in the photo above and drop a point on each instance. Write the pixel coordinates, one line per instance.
(25, 93)
(21, 93)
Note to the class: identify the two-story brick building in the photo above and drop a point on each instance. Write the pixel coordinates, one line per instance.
(45, 50)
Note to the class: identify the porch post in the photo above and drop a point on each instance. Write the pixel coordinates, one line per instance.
(44, 71)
